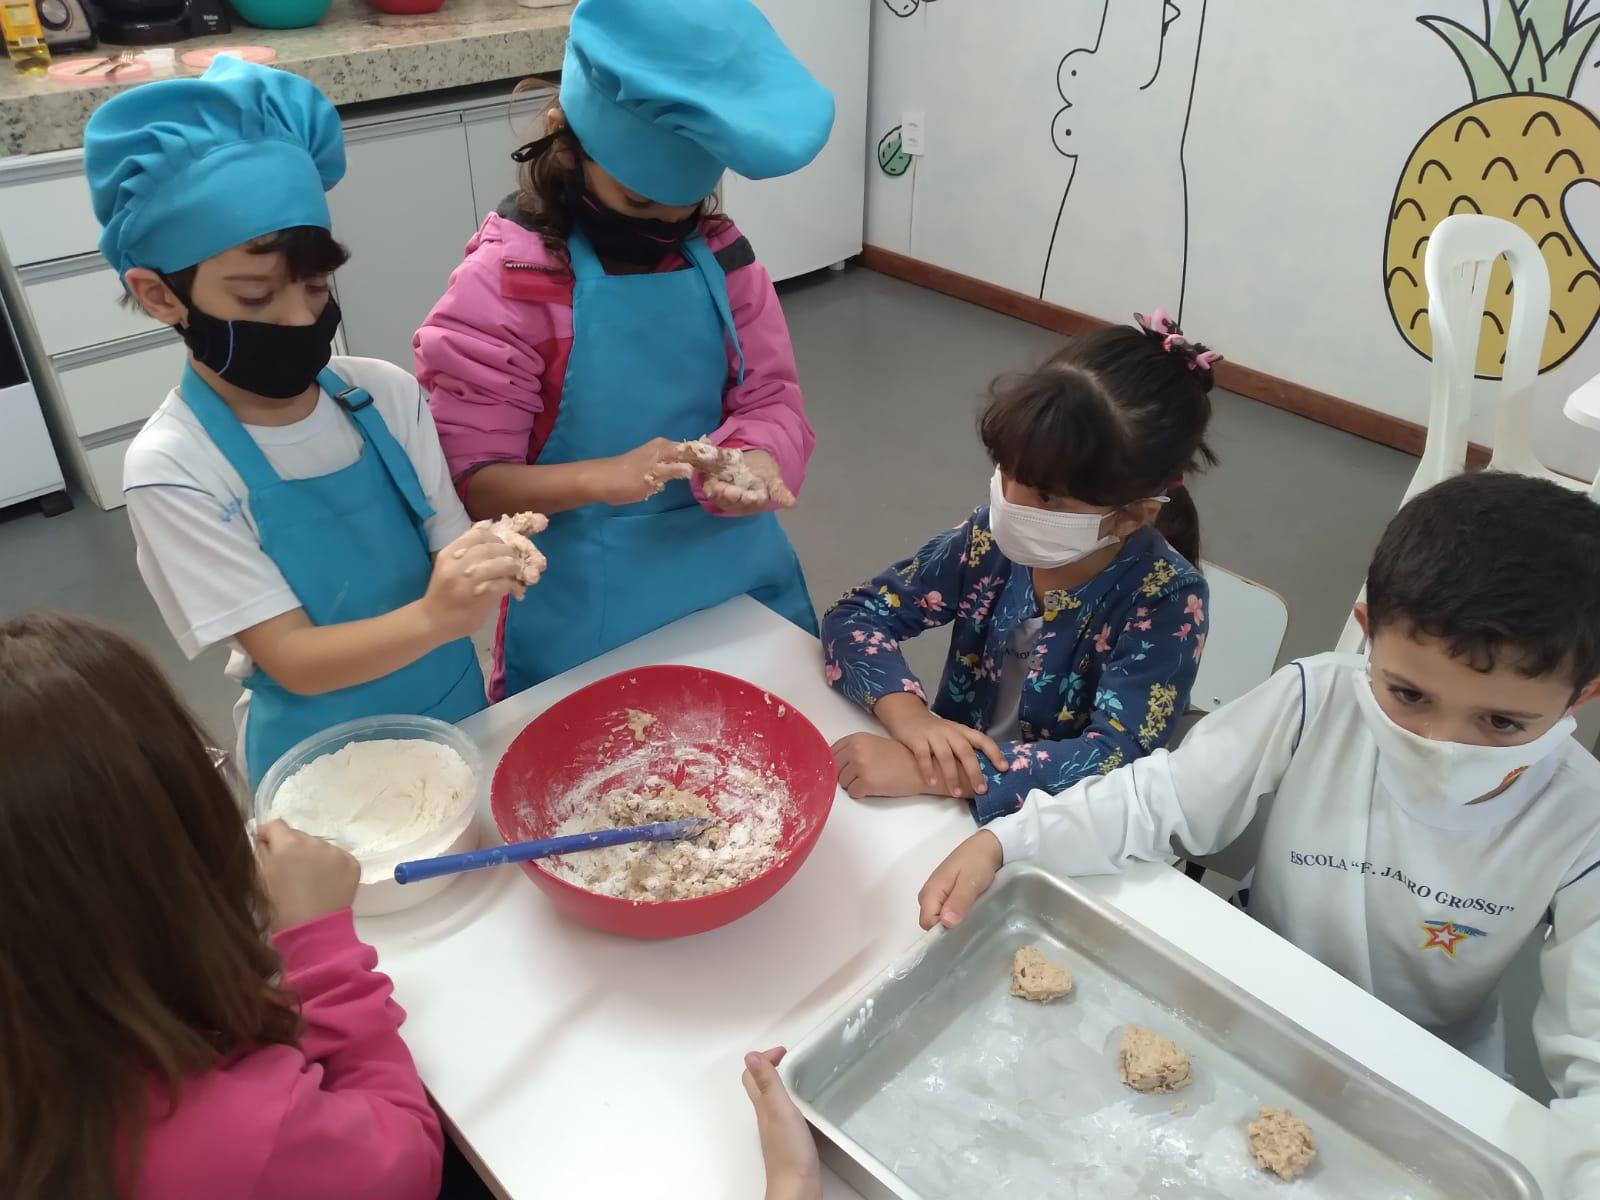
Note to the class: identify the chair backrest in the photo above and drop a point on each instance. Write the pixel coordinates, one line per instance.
(1462, 252)
(1245, 633)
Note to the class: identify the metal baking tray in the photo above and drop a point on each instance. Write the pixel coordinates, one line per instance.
(934, 1083)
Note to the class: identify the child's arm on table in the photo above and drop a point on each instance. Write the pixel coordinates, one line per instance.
(1194, 800)
(764, 415)
(861, 637)
(787, 1149)
(357, 1123)
(1566, 1026)
(470, 577)
(1143, 690)
(487, 361)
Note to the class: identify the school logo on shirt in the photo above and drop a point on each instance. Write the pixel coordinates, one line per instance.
(1447, 935)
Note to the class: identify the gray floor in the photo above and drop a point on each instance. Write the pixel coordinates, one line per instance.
(894, 377)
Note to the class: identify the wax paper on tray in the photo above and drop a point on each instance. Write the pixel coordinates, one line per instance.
(971, 1092)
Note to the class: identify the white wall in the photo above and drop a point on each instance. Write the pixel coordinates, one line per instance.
(1287, 130)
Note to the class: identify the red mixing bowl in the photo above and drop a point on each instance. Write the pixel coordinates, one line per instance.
(583, 744)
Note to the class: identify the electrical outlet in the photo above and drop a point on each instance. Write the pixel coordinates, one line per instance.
(914, 131)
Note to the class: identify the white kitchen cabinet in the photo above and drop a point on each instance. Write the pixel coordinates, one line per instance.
(405, 211)
(813, 218)
(493, 132)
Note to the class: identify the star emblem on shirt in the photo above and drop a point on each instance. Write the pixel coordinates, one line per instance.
(1443, 935)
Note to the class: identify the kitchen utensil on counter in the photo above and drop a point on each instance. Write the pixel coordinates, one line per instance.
(494, 856)
(66, 25)
(717, 718)
(280, 14)
(456, 832)
(92, 70)
(157, 22)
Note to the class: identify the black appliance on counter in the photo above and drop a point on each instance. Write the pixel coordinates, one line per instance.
(158, 22)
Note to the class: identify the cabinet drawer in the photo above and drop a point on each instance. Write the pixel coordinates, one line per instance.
(45, 212)
(75, 309)
(105, 471)
(107, 392)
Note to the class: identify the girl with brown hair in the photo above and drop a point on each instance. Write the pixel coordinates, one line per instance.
(153, 1042)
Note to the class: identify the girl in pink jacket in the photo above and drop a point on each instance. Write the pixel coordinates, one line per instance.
(153, 1045)
(605, 318)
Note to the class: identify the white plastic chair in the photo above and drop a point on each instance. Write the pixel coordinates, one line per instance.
(1461, 255)
(1246, 631)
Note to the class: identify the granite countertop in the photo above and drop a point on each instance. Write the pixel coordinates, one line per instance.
(353, 54)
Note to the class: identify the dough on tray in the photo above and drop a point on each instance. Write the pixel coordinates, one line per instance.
(1035, 976)
(514, 531)
(1281, 1142)
(1149, 1062)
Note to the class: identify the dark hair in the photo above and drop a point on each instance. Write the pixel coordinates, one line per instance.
(1110, 419)
(1501, 568)
(544, 165)
(130, 948)
(307, 250)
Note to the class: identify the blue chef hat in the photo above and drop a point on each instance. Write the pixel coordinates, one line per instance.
(183, 169)
(667, 94)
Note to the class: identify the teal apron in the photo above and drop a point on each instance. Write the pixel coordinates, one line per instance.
(351, 546)
(649, 359)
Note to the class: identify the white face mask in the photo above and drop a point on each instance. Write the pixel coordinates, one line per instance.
(1445, 775)
(1037, 537)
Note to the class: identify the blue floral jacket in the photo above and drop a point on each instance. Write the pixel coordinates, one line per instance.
(1111, 671)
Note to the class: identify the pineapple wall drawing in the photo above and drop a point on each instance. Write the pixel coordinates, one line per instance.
(1514, 151)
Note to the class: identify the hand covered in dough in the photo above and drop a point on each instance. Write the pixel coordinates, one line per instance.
(514, 530)
(738, 482)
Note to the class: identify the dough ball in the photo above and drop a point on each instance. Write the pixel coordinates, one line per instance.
(1151, 1063)
(1281, 1142)
(1036, 977)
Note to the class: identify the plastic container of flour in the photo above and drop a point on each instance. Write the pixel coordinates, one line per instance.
(451, 830)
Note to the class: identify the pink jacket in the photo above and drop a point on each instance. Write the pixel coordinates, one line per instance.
(341, 1116)
(493, 354)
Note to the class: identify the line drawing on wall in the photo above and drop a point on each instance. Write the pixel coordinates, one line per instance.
(904, 8)
(1516, 151)
(1121, 238)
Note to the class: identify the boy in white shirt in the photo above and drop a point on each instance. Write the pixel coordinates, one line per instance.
(1426, 807)
(290, 504)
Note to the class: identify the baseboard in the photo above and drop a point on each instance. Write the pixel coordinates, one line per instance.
(1306, 402)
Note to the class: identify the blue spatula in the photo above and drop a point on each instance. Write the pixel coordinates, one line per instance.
(452, 864)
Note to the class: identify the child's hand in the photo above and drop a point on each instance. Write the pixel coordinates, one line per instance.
(303, 877)
(793, 1170)
(945, 751)
(959, 880)
(872, 765)
(470, 576)
(761, 488)
(639, 474)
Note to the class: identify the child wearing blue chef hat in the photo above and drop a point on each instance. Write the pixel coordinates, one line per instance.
(605, 316)
(294, 506)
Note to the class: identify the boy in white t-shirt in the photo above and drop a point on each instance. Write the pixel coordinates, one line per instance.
(292, 505)
(1425, 808)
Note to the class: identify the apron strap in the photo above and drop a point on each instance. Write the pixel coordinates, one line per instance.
(698, 253)
(585, 262)
(226, 431)
(357, 403)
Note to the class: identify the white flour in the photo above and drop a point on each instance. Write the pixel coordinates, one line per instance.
(375, 796)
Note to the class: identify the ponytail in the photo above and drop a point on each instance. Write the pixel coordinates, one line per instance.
(1179, 523)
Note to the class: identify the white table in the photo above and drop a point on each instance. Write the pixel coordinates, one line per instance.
(576, 1064)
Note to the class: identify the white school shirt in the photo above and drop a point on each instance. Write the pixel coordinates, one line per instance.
(198, 548)
(1425, 911)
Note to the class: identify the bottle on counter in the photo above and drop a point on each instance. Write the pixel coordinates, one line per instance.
(19, 21)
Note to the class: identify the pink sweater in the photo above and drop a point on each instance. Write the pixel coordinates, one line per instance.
(342, 1116)
(493, 355)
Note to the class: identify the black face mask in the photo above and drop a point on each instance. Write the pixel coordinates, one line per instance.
(276, 361)
(637, 241)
